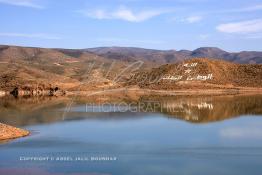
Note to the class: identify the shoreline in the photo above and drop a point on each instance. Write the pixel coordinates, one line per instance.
(9, 132)
(235, 90)
(170, 92)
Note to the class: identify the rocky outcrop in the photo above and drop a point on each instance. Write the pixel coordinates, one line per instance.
(37, 91)
(9, 132)
(2, 93)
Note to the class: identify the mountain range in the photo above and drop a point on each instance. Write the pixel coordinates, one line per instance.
(172, 56)
(134, 54)
(109, 67)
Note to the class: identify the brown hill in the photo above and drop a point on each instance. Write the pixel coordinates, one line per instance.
(200, 73)
(30, 68)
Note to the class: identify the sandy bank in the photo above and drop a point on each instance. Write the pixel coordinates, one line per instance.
(10, 132)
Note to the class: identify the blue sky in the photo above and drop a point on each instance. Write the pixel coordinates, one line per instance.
(232, 25)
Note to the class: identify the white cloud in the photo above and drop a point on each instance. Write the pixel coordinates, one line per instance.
(123, 13)
(24, 3)
(242, 27)
(193, 19)
(34, 35)
(99, 14)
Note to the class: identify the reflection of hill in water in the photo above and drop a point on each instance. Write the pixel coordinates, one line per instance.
(28, 111)
(196, 109)
(44, 110)
(209, 109)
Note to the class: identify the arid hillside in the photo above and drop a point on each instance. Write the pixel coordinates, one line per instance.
(29, 68)
(43, 71)
(200, 73)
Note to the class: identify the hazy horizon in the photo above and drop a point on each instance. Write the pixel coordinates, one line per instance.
(146, 48)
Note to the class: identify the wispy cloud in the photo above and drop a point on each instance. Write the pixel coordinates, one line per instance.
(123, 13)
(33, 35)
(189, 19)
(23, 3)
(192, 19)
(251, 8)
(242, 27)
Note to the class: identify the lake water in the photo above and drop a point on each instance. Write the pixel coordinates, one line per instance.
(218, 135)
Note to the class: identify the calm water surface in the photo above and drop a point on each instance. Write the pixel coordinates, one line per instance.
(182, 135)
